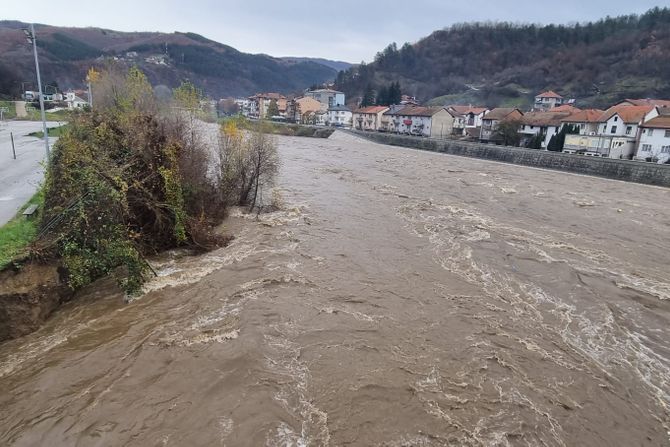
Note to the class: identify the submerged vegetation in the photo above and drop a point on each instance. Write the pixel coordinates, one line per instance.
(135, 176)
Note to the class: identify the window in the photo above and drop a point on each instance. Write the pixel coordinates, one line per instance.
(616, 118)
(667, 133)
(650, 132)
(629, 130)
(613, 129)
(665, 149)
(646, 148)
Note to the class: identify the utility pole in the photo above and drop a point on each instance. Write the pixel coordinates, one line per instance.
(30, 34)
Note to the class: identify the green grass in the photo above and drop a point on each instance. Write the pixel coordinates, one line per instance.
(18, 233)
(11, 110)
(52, 131)
(35, 115)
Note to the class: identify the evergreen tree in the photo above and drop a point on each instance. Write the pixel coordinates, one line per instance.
(383, 96)
(273, 109)
(395, 93)
(536, 141)
(368, 96)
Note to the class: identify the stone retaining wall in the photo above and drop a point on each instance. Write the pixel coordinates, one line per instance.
(627, 170)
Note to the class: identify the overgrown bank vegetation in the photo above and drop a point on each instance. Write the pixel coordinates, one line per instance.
(137, 176)
(276, 128)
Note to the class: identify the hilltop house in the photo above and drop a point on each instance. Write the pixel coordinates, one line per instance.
(493, 118)
(302, 110)
(339, 116)
(433, 122)
(260, 102)
(369, 118)
(548, 100)
(655, 140)
(541, 123)
(327, 97)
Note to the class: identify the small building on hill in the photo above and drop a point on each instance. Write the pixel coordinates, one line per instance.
(548, 100)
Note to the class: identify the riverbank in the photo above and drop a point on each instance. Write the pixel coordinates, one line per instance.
(625, 170)
(277, 128)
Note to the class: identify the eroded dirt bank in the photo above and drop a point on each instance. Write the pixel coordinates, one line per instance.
(401, 298)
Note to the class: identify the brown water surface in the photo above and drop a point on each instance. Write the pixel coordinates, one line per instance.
(401, 298)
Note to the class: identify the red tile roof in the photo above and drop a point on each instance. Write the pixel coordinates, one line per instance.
(565, 108)
(629, 114)
(649, 102)
(660, 122)
(464, 110)
(501, 113)
(420, 111)
(549, 94)
(585, 116)
(372, 109)
(544, 119)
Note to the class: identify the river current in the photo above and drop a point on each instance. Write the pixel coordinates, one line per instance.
(398, 298)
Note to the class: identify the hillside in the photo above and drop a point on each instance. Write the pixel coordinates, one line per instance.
(67, 53)
(506, 64)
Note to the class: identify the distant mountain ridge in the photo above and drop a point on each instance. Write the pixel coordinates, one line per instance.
(166, 58)
(506, 64)
(335, 65)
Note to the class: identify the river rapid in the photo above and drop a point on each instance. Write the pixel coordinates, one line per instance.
(399, 298)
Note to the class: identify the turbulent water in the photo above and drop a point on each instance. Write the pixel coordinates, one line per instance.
(400, 298)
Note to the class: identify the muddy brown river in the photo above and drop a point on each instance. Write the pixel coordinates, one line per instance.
(400, 298)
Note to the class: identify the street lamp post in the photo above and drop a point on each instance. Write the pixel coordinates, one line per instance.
(30, 34)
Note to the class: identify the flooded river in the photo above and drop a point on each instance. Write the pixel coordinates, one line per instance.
(400, 298)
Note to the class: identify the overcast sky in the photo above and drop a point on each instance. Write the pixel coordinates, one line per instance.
(350, 30)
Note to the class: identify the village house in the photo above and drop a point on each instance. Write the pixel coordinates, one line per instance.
(74, 101)
(493, 118)
(391, 121)
(587, 121)
(260, 103)
(339, 116)
(655, 139)
(620, 127)
(467, 118)
(547, 124)
(320, 118)
(301, 110)
(433, 122)
(369, 118)
(661, 103)
(548, 100)
(327, 98)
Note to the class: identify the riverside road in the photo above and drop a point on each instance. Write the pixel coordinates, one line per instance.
(20, 177)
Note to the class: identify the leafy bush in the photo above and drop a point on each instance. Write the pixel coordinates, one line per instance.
(125, 181)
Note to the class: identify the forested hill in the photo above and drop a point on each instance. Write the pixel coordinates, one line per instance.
(506, 64)
(67, 53)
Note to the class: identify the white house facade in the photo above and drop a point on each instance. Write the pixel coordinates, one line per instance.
(655, 140)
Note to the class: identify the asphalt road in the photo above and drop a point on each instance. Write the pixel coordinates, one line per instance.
(20, 178)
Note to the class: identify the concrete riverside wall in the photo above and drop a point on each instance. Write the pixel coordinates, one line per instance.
(626, 170)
